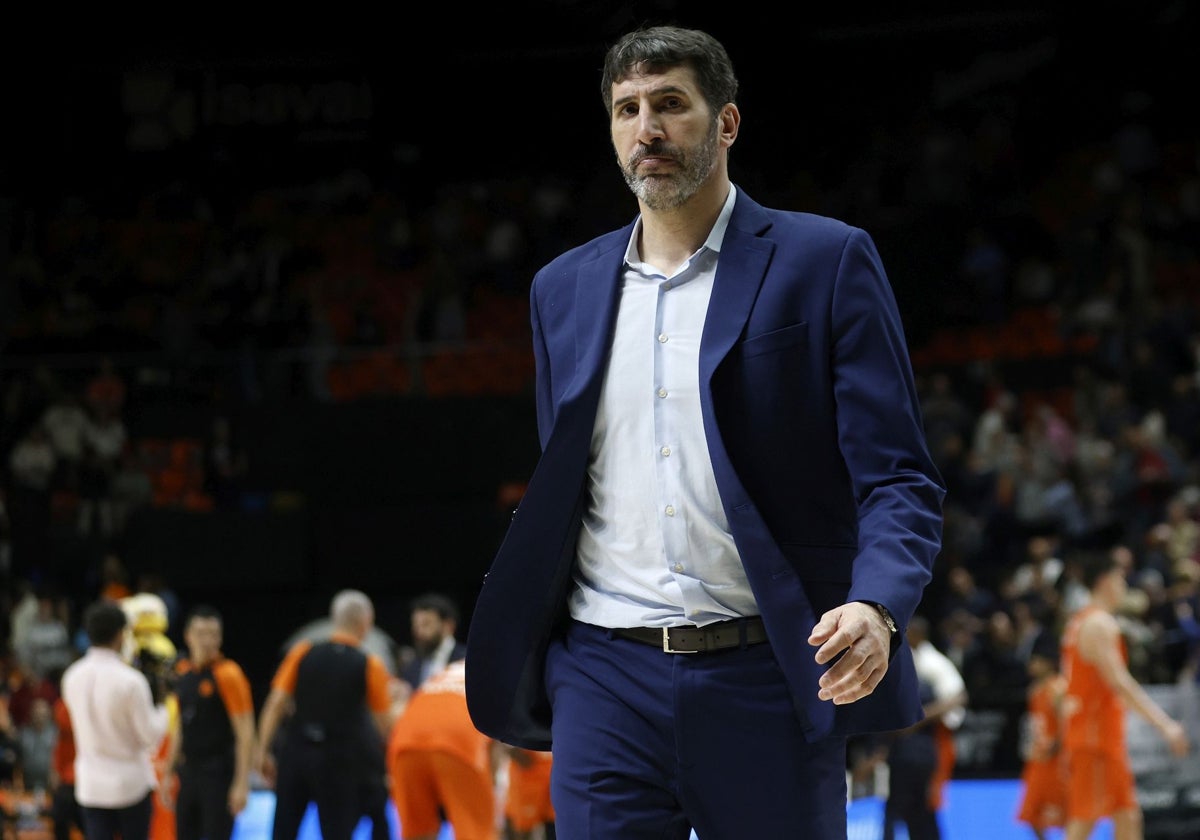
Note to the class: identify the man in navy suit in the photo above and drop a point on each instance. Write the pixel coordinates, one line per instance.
(704, 589)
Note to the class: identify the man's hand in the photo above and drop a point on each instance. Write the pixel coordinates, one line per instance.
(265, 764)
(237, 798)
(1177, 739)
(858, 634)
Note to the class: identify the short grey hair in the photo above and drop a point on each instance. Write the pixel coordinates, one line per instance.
(351, 609)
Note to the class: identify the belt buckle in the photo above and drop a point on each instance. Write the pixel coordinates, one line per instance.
(667, 643)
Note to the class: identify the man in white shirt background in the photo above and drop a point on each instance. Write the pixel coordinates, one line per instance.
(116, 724)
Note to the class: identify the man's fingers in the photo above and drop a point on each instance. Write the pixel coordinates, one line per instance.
(853, 686)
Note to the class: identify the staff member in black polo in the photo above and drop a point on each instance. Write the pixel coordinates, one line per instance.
(335, 698)
(216, 743)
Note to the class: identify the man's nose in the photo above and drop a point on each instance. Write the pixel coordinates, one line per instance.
(650, 127)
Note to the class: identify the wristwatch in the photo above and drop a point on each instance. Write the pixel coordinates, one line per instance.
(887, 617)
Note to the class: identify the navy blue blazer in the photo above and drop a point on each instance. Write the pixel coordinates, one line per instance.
(812, 421)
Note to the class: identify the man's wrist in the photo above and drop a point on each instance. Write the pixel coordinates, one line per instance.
(886, 615)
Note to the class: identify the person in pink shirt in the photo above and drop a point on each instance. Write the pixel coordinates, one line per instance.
(117, 724)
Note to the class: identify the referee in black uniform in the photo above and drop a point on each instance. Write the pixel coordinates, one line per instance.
(336, 700)
(216, 743)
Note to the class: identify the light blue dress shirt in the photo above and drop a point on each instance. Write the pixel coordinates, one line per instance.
(655, 547)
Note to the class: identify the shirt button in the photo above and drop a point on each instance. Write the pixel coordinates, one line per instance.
(662, 338)
(678, 567)
(667, 286)
(670, 510)
(662, 392)
(666, 451)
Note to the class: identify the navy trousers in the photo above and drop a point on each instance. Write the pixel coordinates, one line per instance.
(651, 745)
(129, 823)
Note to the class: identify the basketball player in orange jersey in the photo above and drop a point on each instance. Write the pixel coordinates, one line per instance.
(439, 763)
(1099, 689)
(527, 805)
(1043, 778)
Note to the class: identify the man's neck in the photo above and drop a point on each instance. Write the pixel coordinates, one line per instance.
(669, 237)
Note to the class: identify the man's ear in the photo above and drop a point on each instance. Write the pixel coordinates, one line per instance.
(730, 119)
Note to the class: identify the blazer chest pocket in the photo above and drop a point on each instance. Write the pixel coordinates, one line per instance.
(793, 336)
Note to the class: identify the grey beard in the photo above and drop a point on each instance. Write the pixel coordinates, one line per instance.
(670, 192)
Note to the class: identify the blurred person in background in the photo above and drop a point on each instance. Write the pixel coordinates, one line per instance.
(440, 764)
(1043, 799)
(331, 705)
(148, 648)
(528, 810)
(117, 725)
(215, 746)
(65, 813)
(36, 739)
(434, 623)
(921, 757)
(1099, 690)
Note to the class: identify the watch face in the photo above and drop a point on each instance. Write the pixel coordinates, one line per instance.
(887, 617)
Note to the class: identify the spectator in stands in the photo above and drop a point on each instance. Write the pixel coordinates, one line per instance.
(45, 646)
(105, 439)
(65, 812)
(33, 465)
(66, 422)
(37, 738)
(114, 577)
(1182, 538)
(131, 487)
(943, 411)
(965, 595)
(105, 391)
(226, 465)
(995, 670)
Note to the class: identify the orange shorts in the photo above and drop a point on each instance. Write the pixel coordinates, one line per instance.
(1099, 784)
(1044, 795)
(426, 783)
(528, 801)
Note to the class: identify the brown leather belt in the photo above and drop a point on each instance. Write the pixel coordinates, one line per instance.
(721, 635)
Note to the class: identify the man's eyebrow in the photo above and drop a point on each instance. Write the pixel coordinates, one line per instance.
(658, 91)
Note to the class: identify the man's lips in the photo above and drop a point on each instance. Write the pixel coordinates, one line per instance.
(655, 161)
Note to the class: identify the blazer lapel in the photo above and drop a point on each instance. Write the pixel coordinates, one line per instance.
(597, 290)
(740, 272)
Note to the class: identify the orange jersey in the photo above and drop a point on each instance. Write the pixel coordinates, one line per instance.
(1044, 724)
(436, 720)
(162, 815)
(440, 763)
(527, 802)
(1043, 777)
(1094, 713)
(63, 759)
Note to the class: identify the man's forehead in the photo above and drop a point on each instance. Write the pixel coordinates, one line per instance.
(646, 78)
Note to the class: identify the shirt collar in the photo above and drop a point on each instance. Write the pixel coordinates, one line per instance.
(715, 236)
